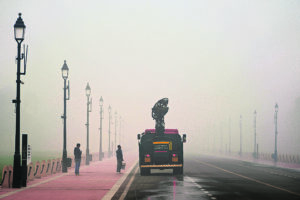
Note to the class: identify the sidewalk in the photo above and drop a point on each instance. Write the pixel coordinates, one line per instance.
(94, 182)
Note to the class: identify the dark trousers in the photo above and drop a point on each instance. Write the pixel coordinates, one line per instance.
(77, 165)
(119, 165)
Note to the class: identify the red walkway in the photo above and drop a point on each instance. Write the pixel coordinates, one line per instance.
(95, 181)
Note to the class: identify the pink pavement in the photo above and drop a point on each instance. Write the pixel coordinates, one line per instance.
(93, 182)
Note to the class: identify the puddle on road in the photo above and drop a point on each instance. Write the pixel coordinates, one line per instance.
(179, 187)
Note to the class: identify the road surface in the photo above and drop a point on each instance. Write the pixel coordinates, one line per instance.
(207, 177)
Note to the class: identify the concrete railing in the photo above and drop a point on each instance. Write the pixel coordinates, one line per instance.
(7, 176)
(42, 169)
(283, 158)
(295, 159)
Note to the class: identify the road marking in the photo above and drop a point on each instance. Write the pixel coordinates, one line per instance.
(179, 165)
(268, 171)
(31, 186)
(128, 185)
(200, 187)
(248, 178)
(118, 184)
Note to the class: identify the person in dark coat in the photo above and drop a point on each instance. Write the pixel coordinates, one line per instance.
(119, 155)
(77, 154)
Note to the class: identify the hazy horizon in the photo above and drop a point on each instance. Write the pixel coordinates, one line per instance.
(214, 60)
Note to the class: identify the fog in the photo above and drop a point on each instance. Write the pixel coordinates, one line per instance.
(214, 60)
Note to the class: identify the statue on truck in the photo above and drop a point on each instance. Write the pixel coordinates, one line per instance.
(161, 148)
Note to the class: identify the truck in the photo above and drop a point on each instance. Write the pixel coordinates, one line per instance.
(161, 151)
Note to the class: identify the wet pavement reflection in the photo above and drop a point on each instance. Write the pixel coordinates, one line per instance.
(176, 187)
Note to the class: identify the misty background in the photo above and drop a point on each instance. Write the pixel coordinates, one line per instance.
(214, 60)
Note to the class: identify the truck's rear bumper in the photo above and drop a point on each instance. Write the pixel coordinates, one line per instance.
(161, 166)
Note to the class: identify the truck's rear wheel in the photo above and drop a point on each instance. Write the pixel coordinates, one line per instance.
(178, 171)
(144, 171)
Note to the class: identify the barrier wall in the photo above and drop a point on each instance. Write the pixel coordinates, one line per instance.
(42, 169)
(58, 165)
(294, 159)
(37, 170)
(30, 172)
(5, 177)
(53, 166)
(283, 158)
(49, 167)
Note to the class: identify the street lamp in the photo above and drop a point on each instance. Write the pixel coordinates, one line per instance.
(109, 118)
(241, 135)
(221, 138)
(101, 117)
(65, 74)
(254, 128)
(116, 117)
(229, 135)
(120, 122)
(88, 110)
(19, 31)
(276, 133)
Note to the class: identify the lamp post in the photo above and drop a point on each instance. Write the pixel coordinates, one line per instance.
(276, 132)
(120, 122)
(254, 128)
(229, 136)
(116, 117)
(88, 110)
(221, 133)
(241, 136)
(214, 137)
(101, 117)
(19, 30)
(65, 74)
(109, 118)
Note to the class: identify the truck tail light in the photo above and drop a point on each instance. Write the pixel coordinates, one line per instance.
(147, 158)
(174, 158)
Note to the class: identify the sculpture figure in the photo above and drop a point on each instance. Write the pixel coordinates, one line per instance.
(159, 110)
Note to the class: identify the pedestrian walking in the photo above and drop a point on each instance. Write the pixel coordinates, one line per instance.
(77, 154)
(119, 155)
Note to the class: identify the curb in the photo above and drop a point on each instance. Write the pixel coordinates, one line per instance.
(114, 192)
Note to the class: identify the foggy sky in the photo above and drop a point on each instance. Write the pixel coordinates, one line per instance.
(214, 60)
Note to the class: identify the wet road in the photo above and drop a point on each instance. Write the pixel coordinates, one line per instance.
(218, 178)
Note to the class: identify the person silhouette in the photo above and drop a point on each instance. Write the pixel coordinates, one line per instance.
(77, 154)
(119, 155)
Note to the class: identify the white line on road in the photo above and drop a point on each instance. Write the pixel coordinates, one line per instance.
(193, 181)
(248, 178)
(200, 187)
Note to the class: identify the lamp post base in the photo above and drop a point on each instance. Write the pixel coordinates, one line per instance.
(64, 162)
(100, 156)
(87, 160)
(17, 175)
(274, 156)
